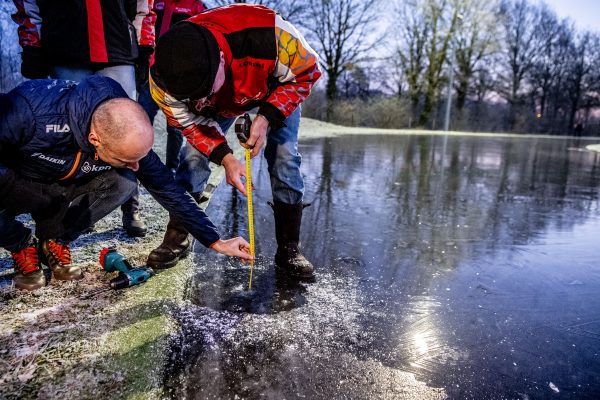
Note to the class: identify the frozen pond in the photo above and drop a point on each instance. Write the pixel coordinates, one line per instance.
(463, 267)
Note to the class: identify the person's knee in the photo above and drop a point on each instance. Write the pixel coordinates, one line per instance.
(283, 159)
(124, 75)
(193, 170)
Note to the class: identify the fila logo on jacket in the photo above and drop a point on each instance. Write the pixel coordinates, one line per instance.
(57, 128)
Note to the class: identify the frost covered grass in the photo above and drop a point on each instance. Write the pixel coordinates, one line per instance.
(56, 345)
(315, 128)
(593, 147)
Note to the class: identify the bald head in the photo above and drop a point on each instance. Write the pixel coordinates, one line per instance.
(121, 132)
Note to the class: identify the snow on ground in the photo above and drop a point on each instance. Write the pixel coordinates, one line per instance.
(593, 147)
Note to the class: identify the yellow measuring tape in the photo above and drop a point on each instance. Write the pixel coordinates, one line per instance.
(250, 212)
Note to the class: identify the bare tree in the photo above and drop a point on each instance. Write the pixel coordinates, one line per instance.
(433, 31)
(394, 79)
(521, 50)
(354, 82)
(584, 55)
(413, 36)
(591, 97)
(442, 17)
(339, 30)
(475, 39)
(483, 84)
(548, 73)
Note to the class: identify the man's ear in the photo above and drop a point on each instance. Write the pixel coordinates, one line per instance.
(93, 138)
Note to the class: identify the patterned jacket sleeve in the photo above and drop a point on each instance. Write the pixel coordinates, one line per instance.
(144, 23)
(296, 70)
(201, 132)
(29, 21)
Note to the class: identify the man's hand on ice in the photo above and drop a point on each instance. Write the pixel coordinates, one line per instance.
(235, 247)
(258, 135)
(234, 170)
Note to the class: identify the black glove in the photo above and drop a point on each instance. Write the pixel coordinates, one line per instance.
(142, 65)
(33, 63)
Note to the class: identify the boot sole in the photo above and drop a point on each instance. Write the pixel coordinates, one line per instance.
(172, 263)
(62, 278)
(296, 277)
(304, 278)
(30, 288)
(136, 232)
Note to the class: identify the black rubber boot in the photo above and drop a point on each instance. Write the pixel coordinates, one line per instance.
(176, 245)
(133, 224)
(132, 220)
(288, 218)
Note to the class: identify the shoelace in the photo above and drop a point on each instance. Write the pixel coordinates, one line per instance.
(62, 252)
(26, 260)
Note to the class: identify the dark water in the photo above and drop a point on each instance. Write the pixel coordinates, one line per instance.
(466, 268)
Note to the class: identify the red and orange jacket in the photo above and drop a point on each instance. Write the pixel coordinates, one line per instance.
(269, 65)
(78, 32)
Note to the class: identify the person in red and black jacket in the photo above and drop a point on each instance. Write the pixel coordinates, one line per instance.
(168, 12)
(81, 34)
(214, 67)
(72, 39)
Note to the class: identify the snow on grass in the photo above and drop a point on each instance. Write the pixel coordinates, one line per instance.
(311, 128)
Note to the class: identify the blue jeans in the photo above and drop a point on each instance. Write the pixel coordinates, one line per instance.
(61, 211)
(174, 135)
(125, 76)
(281, 153)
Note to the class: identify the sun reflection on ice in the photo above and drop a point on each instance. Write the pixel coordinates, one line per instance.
(421, 343)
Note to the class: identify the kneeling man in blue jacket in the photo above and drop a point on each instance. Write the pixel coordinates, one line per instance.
(69, 155)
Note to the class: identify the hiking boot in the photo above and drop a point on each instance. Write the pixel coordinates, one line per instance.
(133, 224)
(288, 258)
(28, 272)
(58, 257)
(176, 245)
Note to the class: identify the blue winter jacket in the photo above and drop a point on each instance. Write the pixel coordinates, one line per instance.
(44, 127)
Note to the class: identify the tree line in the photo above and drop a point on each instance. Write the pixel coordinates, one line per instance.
(506, 65)
(513, 65)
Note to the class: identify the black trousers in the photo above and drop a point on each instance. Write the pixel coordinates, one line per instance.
(61, 211)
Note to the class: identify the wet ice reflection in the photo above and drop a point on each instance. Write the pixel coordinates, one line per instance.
(465, 269)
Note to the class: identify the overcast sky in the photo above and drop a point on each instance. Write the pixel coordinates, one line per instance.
(585, 13)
